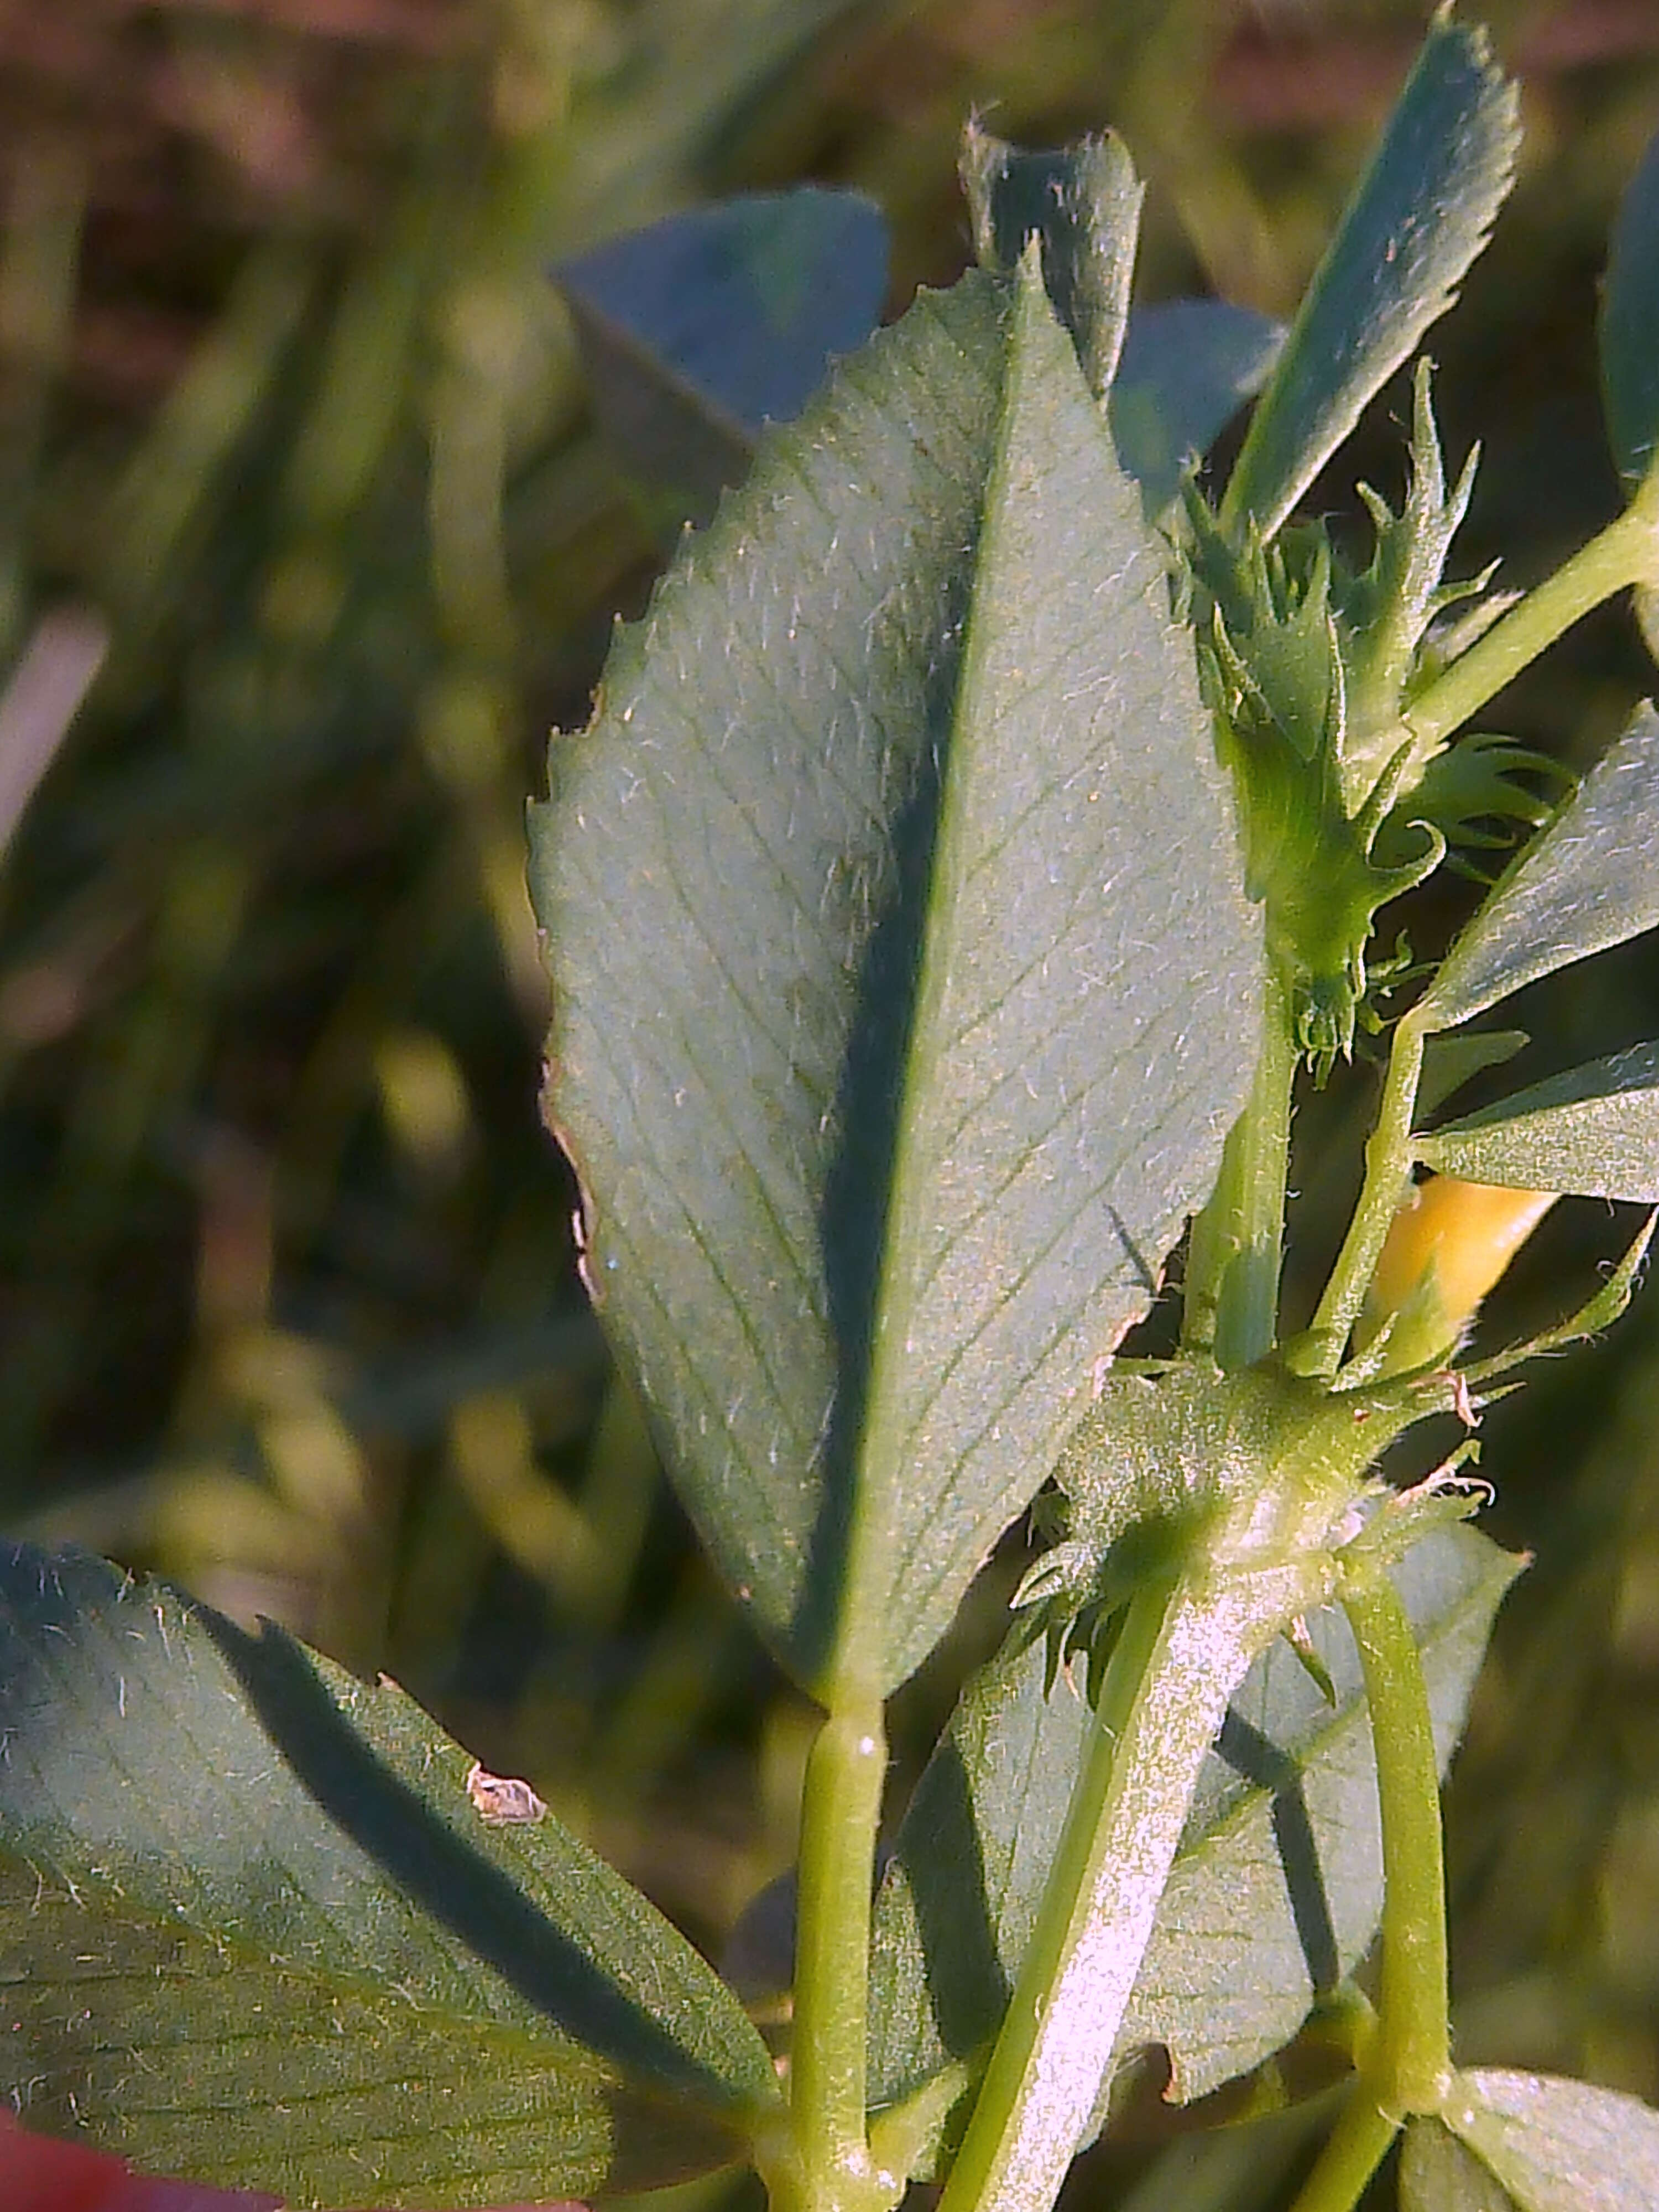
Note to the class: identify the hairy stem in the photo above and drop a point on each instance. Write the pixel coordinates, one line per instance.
(1626, 552)
(1179, 1655)
(1407, 2066)
(1231, 1304)
(1387, 1166)
(828, 2167)
(1410, 2061)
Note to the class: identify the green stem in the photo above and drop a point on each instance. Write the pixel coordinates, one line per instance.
(1410, 2058)
(1387, 1168)
(1356, 2146)
(1231, 1306)
(1179, 1655)
(1408, 2068)
(828, 2168)
(1626, 552)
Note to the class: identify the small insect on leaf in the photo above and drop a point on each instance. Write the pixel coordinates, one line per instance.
(502, 1801)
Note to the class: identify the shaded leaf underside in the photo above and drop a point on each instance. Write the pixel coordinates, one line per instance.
(254, 1928)
(1187, 367)
(1629, 329)
(1593, 1132)
(702, 327)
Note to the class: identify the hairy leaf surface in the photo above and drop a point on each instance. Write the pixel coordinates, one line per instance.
(1555, 2146)
(1081, 205)
(1588, 883)
(256, 1931)
(1278, 1887)
(1593, 1131)
(904, 981)
(1419, 217)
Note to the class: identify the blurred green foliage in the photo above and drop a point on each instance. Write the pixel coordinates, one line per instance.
(292, 433)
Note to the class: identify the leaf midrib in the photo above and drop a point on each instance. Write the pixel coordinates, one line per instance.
(857, 1672)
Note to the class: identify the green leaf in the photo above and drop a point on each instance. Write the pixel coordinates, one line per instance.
(1187, 367)
(1450, 1063)
(1630, 327)
(884, 1108)
(1082, 202)
(1417, 218)
(1277, 1886)
(1629, 334)
(256, 1930)
(1593, 1131)
(1586, 884)
(1437, 2174)
(700, 329)
(1556, 2146)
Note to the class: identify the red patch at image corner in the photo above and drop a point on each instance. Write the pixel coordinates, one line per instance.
(37, 2174)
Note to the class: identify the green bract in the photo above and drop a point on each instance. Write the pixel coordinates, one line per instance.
(1277, 681)
(1249, 1467)
(1311, 670)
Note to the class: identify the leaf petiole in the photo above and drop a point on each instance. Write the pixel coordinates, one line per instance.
(1626, 552)
(821, 2162)
(1410, 2060)
(1407, 2065)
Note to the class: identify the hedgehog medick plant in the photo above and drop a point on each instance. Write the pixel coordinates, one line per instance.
(910, 976)
(982, 834)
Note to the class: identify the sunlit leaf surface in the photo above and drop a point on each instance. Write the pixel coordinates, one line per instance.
(1586, 884)
(904, 983)
(1417, 218)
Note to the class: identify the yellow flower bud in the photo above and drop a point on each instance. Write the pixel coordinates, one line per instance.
(1448, 1245)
